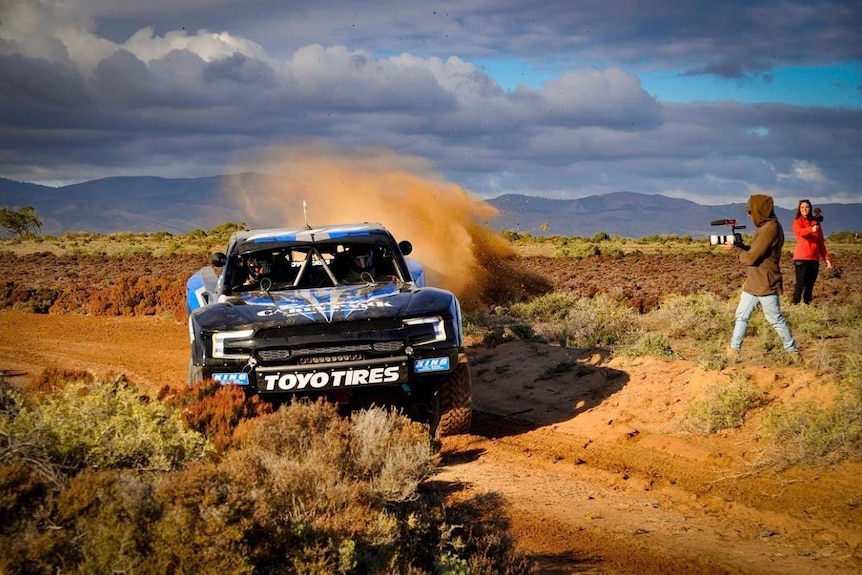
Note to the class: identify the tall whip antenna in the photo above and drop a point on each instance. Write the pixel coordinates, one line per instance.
(305, 213)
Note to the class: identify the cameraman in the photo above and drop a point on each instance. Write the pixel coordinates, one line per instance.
(763, 282)
(810, 247)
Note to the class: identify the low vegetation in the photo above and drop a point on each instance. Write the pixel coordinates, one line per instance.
(811, 432)
(723, 406)
(123, 244)
(98, 478)
(603, 243)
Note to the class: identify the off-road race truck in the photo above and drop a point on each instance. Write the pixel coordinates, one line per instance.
(334, 311)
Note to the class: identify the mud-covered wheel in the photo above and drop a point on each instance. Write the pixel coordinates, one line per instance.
(196, 373)
(453, 405)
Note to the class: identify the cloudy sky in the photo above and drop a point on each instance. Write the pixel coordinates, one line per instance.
(704, 100)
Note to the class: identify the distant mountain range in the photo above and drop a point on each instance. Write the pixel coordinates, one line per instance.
(150, 204)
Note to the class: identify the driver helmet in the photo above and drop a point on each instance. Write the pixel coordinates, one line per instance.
(259, 265)
(362, 258)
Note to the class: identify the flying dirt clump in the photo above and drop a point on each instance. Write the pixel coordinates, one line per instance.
(447, 226)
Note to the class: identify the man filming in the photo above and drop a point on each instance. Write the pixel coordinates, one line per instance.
(763, 282)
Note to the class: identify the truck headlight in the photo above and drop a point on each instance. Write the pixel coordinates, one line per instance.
(430, 330)
(225, 341)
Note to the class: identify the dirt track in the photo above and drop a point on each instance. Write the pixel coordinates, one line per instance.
(595, 476)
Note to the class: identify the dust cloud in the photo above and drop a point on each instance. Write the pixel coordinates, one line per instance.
(446, 225)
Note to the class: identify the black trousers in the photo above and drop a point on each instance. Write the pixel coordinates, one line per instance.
(806, 275)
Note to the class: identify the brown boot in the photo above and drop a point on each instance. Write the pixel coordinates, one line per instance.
(733, 355)
(796, 358)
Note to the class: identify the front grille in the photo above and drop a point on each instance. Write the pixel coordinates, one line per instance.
(273, 354)
(388, 346)
(330, 349)
(329, 353)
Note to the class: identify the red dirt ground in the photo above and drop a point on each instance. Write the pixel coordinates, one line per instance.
(596, 475)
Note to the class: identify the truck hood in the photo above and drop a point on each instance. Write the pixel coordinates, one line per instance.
(326, 305)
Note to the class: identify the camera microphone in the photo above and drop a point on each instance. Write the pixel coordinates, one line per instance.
(731, 239)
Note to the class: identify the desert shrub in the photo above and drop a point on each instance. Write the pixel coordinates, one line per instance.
(27, 475)
(495, 336)
(210, 520)
(51, 381)
(598, 321)
(712, 355)
(195, 234)
(700, 316)
(577, 249)
(128, 294)
(133, 250)
(846, 237)
(650, 343)
(220, 234)
(723, 406)
(809, 431)
(325, 489)
(27, 546)
(614, 252)
(109, 514)
(664, 239)
(104, 423)
(393, 451)
(498, 326)
(216, 411)
(522, 330)
(36, 300)
(550, 307)
(817, 320)
(581, 322)
(138, 295)
(819, 327)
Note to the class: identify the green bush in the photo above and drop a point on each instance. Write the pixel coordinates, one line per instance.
(809, 431)
(549, 307)
(577, 250)
(701, 316)
(599, 321)
(723, 406)
(102, 423)
(654, 344)
(582, 322)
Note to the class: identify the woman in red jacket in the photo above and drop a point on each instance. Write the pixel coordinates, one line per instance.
(810, 247)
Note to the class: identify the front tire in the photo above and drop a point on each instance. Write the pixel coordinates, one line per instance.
(453, 403)
(196, 373)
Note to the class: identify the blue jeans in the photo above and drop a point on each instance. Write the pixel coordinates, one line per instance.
(771, 309)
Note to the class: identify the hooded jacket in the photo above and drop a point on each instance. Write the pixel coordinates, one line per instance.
(763, 258)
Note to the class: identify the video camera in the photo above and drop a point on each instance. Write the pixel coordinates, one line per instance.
(818, 215)
(726, 239)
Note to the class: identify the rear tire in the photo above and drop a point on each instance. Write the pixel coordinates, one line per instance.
(453, 403)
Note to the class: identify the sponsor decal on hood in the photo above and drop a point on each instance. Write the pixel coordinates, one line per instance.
(323, 303)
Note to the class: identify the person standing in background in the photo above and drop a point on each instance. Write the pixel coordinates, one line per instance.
(810, 248)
